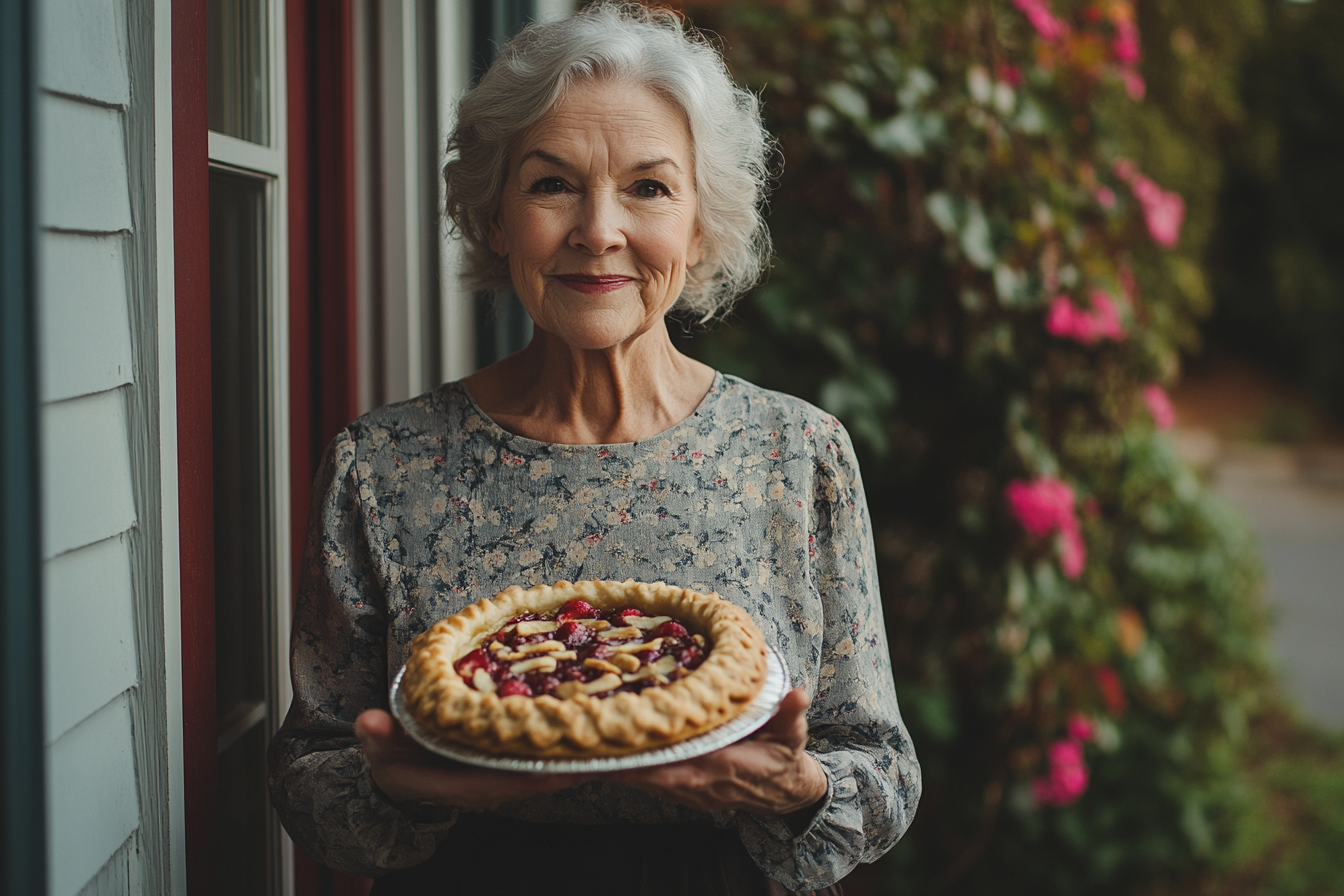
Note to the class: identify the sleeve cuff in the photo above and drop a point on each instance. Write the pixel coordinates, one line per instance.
(812, 848)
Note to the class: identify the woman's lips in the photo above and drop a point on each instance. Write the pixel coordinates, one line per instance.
(594, 282)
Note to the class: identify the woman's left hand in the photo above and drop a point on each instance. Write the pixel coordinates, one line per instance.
(769, 773)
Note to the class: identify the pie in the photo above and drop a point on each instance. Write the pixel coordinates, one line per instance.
(585, 669)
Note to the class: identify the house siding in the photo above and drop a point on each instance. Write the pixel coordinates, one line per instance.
(103, 650)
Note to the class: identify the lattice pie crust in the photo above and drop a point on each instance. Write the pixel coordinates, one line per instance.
(581, 725)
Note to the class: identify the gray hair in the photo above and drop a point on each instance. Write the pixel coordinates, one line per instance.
(634, 44)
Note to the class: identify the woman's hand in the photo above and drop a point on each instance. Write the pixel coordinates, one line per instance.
(407, 772)
(768, 774)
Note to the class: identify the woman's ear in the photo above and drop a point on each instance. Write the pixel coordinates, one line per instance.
(498, 243)
(695, 250)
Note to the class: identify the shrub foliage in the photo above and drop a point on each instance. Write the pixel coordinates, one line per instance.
(978, 274)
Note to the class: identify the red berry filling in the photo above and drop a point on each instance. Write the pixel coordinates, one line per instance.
(582, 650)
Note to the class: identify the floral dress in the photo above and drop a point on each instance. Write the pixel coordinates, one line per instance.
(426, 506)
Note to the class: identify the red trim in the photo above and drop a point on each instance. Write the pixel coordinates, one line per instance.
(301, 357)
(320, 46)
(334, 211)
(191, 258)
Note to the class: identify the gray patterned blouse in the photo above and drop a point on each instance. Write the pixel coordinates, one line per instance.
(423, 507)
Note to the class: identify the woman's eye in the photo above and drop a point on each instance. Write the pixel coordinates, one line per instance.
(651, 189)
(549, 185)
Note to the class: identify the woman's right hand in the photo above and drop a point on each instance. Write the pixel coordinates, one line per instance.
(407, 772)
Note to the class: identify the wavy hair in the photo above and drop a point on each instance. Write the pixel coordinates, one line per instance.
(632, 44)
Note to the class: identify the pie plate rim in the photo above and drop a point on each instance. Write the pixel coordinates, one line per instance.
(757, 713)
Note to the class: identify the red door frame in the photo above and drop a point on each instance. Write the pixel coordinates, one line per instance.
(191, 275)
(323, 373)
(320, 98)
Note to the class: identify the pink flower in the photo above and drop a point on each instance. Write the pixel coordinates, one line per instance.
(1135, 86)
(1042, 506)
(1163, 210)
(1159, 405)
(1066, 321)
(1105, 319)
(1042, 19)
(1072, 552)
(1067, 778)
(1045, 506)
(1105, 197)
(1081, 728)
(1126, 45)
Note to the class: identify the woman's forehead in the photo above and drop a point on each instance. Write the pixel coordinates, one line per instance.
(622, 124)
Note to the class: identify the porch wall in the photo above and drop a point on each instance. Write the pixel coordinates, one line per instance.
(104, 674)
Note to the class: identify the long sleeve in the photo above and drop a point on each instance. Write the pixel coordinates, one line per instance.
(319, 780)
(855, 723)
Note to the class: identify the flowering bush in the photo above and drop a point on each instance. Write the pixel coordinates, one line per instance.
(976, 274)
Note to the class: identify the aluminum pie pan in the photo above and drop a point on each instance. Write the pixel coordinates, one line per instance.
(757, 713)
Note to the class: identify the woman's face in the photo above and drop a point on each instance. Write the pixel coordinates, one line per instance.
(598, 215)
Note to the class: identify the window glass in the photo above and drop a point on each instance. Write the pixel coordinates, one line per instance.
(238, 300)
(238, 64)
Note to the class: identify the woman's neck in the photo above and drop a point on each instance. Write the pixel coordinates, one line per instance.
(552, 392)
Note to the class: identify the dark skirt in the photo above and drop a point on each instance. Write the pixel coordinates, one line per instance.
(487, 856)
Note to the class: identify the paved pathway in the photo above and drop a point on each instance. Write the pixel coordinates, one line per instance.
(1299, 519)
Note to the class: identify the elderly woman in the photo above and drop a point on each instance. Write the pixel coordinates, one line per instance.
(607, 169)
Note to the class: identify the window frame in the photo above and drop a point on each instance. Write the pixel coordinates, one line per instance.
(269, 164)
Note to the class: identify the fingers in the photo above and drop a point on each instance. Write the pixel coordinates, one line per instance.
(375, 723)
(789, 723)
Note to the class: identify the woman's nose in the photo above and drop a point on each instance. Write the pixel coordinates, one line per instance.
(599, 227)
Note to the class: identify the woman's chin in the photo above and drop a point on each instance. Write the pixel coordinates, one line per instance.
(600, 334)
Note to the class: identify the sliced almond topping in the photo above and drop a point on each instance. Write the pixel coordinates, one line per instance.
(645, 622)
(625, 662)
(608, 682)
(664, 664)
(618, 634)
(568, 689)
(597, 625)
(482, 681)
(543, 647)
(603, 665)
(536, 664)
(497, 646)
(508, 656)
(637, 646)
(510, 627)
(536, 627)
(565, 654)
(642, 673)
(698, 639)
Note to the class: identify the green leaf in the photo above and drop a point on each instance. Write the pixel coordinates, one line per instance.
(847, 100)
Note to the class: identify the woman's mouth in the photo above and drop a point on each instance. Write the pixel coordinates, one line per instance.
(592, 283)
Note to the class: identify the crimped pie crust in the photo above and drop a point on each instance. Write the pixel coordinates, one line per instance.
(580, 726)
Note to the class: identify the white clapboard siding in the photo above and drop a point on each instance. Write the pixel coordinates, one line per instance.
(83, 49)
(86, 472)
(88, 630)
(121, 875)
(92, 804)
(82, 182)
(86, 337)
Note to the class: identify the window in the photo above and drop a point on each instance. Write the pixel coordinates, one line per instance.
(249, 360)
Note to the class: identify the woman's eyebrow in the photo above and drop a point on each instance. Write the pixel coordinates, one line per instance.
(545, 157)
(553, 159)
(657, 163)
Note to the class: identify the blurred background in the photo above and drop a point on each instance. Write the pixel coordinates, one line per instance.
(1069, 271)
